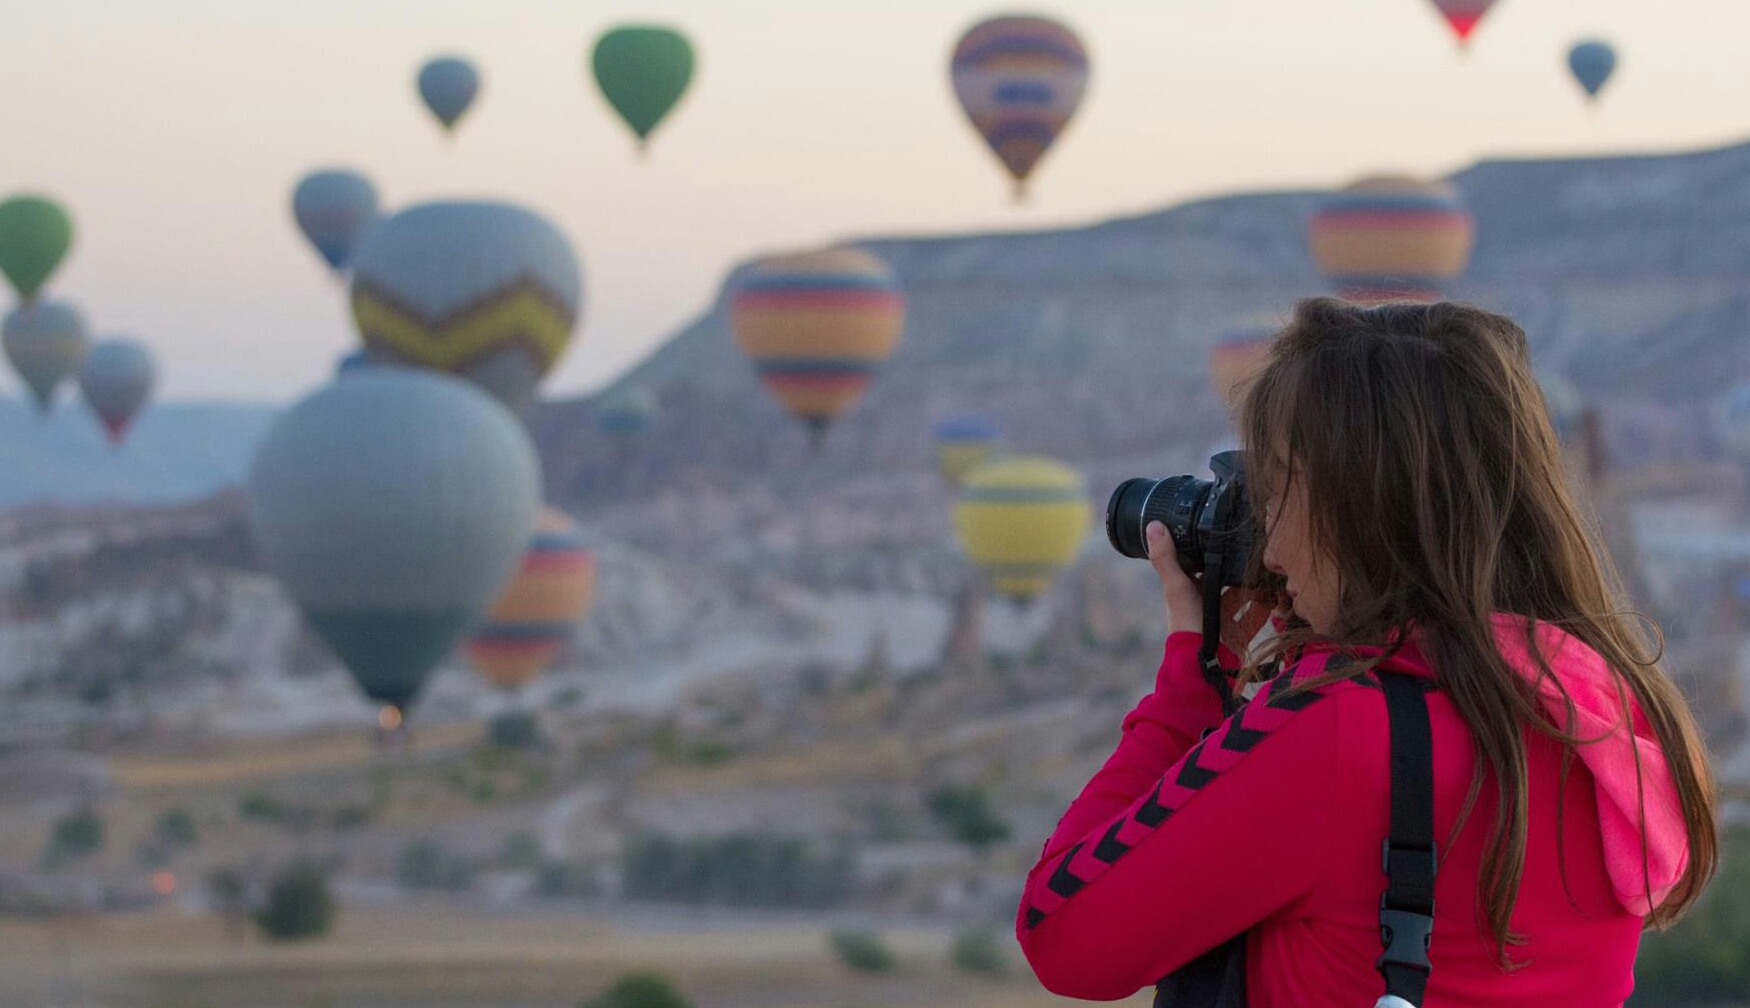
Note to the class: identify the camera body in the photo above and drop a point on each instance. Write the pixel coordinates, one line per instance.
(1209, 520)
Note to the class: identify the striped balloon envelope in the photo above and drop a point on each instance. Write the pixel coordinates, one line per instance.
(545, 598)
(1020, 80)
(1239, 352)
(965, 441)
(1463, 15)
(816, 325)
(488, 291)
(1022, 519)
(116, 379)
(1392, 238)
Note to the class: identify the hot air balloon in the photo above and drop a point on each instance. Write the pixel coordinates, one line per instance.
(965, 441)
(1731, 420)
(448, 85)
(1019, 79)
(485, 290)
(534, 614)
(642, 71)
(816, 325)
(1592, 62)
(1463, 16)
(35, 234)
(1391, 238)
(45, 341)
(1022, 519)
(393, 506)
(627, 413)
(117, 378)
(1239, 352)
(333, 208)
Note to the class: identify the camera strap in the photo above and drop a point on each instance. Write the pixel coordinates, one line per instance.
(1215, 563)
(1409, 858)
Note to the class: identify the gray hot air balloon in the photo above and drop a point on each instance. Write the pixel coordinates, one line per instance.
(117, 378)
(485, 290)
(448, 85)
(45, 341)
(333, 208)
(393, 505)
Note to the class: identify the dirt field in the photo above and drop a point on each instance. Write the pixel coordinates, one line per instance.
(446, 959)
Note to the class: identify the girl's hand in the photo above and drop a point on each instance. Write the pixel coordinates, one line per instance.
(1243, 613)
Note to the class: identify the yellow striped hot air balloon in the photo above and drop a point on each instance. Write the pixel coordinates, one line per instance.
(1392, 238)
(816, 325)
(1022, 519)
(1019, 80)
(549, 593)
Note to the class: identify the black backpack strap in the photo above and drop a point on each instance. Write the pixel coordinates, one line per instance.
(1406, 909)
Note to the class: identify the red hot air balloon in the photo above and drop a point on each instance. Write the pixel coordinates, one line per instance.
(1463, 16)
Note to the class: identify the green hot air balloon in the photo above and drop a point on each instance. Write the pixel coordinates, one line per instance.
(35, 234)
(46, 343)
(394, 505)
(643, 70)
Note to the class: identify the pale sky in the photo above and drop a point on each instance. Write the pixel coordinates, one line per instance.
(175, 130)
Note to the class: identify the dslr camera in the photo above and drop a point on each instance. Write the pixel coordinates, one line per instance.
(1209, 520)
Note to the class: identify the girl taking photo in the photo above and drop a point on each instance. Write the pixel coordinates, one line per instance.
(1413, 500)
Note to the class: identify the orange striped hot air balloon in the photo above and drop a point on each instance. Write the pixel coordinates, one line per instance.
(546, 597)
(1239, 352)
(1019, 80)
(816, 325)
(1392, 238)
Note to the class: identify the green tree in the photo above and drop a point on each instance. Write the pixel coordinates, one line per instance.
(863, 951)
(968, 817)
(521, 850)
(298, 906)
(640, 990)
(1705, 958)
(514, 730)
(175, 828)
(75, 835)
(977, 951)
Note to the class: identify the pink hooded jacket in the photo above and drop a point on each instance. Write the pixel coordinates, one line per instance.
(1272, 824)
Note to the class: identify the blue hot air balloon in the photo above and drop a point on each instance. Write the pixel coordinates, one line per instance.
(1592, 61)
(394, 505)
(448, 85)
(116, 379)
(333, 208)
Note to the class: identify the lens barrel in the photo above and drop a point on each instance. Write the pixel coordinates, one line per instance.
(1174, 502)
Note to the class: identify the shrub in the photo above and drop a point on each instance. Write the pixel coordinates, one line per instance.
(298, 904)
(967, 814)
(521, 850)
(1705, 958)
(738, 869)
(425, 864)
(256, 805)
(75, 835)
(978, 951)
(175, 828)
(640, 990)
(862, 951)
(514, 730)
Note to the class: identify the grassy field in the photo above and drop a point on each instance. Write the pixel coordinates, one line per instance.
(445, 959)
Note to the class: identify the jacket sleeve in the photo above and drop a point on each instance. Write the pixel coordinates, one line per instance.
(1161, 728)
(1232, 833)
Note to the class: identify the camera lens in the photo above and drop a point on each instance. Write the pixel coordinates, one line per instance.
(1174, 502)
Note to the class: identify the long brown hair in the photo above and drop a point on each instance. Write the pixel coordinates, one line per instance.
(1436, 483)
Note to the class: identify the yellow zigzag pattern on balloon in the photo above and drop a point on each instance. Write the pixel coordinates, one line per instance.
(516, 313)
